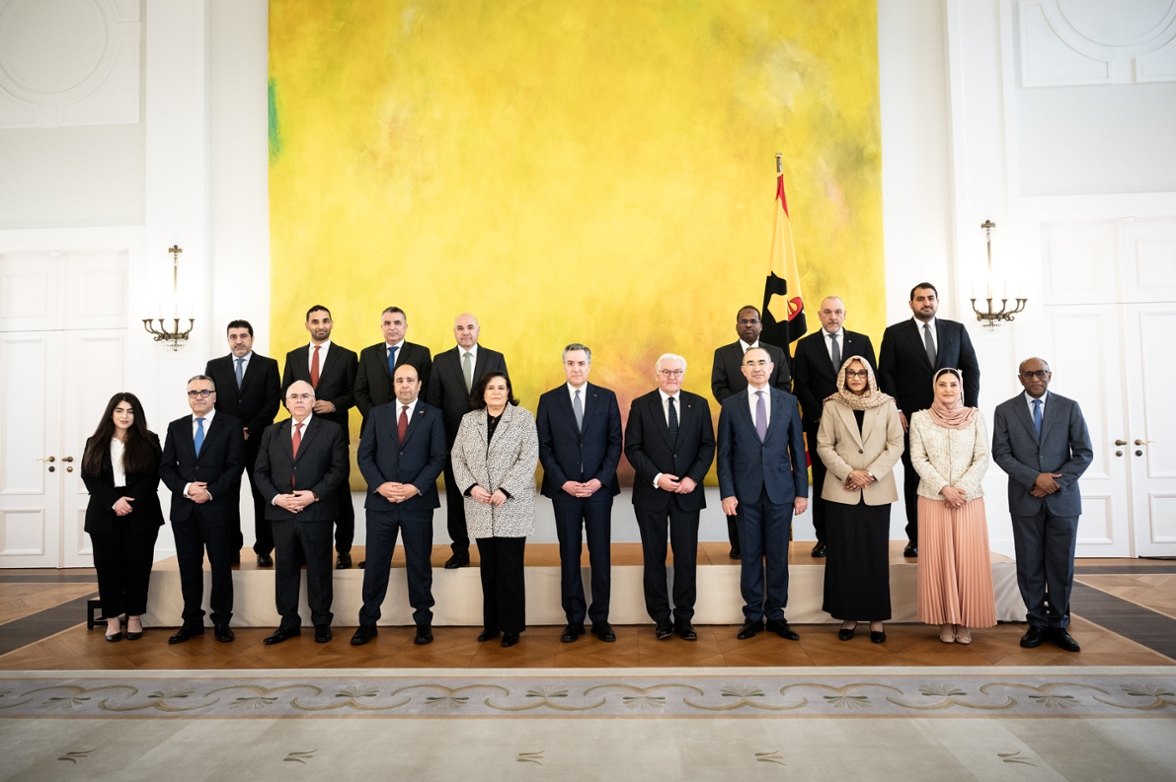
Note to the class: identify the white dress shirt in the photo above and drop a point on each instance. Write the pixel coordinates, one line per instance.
(293, 424)
(839, 338)
(408, 409)
(473, 355)
(323, 348)
(583, 396)
(934, 322)
(207, 423)
(753, 401)
(665, 402)
(116, 462)
(244, 367)
(399, 349)
(747, 347)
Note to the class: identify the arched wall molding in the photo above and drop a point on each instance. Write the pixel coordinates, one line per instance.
(69, 62)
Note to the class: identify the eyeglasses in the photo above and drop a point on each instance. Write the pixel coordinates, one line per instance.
(1040, 374)
(852, 373)
(672, 372)
(203, 393)
(750, 322)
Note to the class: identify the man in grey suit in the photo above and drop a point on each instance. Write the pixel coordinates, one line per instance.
(1040, 440)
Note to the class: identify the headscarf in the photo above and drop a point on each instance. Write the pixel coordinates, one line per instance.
(870, 399)
(955, 416)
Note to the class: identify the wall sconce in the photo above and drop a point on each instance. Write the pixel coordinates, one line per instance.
(993, 318)
(162, 333)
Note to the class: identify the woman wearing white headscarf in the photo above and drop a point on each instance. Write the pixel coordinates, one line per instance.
(949, 450)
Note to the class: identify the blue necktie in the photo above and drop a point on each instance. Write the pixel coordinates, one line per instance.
(199, 440)
(240, 371)
(1037, 417)
(392, 360)
(761, 417)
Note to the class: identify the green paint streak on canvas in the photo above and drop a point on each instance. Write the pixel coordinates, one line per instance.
(275, 132)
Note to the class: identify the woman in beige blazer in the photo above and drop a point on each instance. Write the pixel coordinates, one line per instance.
(494, 458)
(860, 441)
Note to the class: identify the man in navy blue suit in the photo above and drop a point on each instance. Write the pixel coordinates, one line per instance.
(401, 453)
(762, 473)
(579, 447)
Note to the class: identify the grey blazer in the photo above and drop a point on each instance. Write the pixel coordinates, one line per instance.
(876, 449)
(509, 464)
(1064, 447)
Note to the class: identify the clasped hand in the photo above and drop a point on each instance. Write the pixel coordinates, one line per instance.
(123, 506)
(953, 497)
(577, 489)
(295, 501)
(397, 492)
(672, 483)
(484, 497)
(858, 479)
(1045, 484)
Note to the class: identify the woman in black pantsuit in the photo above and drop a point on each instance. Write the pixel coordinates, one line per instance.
(120, 468)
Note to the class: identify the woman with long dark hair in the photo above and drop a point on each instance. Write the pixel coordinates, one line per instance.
(120, 468)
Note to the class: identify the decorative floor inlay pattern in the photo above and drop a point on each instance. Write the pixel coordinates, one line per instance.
(744, 692)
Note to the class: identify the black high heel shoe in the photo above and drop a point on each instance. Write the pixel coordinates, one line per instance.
(134, 636)
(846, 633)
(117, 636)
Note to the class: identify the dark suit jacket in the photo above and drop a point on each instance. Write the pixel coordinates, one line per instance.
(727, 378)
(777, 466)
(373, 383)
(813, 375)
(905, 373)
(447, 389)
(647, 444)
(418, 460)
(256, 403)
(570, 455)
(1064, 447)
(336, 381)
(145, 514)
(321, 464)
(222, 457)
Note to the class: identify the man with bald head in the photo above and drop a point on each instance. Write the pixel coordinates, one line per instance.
(815, 367)
(1040, 439)
(300, 464)
(455, 373)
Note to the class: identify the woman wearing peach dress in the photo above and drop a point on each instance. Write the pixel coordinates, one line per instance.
(949, 449)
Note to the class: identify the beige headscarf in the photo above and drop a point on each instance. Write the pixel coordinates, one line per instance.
(955, 416)
(872, 398)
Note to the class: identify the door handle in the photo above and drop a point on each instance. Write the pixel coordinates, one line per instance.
(67, 458)
(1118, 453)
(1120, 442)
(48, 459)
(1143, 442)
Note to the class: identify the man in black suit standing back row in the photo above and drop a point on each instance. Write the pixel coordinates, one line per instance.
(912, 352)
(378, 362)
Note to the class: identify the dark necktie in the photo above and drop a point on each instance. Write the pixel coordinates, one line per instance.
(836, 353)
(295, 441)
(1037, 417)
(402, 424)
(673, 423)
(199, 439)
(761, 416)
(578, 409)
(929, 343)
(240, 371)
(392, 360)
(314, 367)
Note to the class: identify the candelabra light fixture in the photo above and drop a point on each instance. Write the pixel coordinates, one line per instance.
(992, 318)
(162, 332)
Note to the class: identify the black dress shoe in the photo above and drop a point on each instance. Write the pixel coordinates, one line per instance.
(686, 632)
(749, 629)
(424, 635)
(265, 560)
(223, 632)
(780, 627)
(878, 636)
(846, 633)
(235, 559)
(184, 633)
(458, 560)
(1065, 641)
(1033, 637)
(604, 631)
(734, 553)
(363, 634)
(115, 637)
(819, 549)
(509, 640)
(343, 562)
(487, 635)
(911, 551)
(361, 564)
(322, 634)
(664, 630)
(572, 632)
(281, 634)
(134, 636)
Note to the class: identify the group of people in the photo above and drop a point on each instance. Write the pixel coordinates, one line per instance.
(456, 415)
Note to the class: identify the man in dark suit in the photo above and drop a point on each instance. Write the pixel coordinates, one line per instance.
(202, 461)
(400, 455)
(455, 373)
(727, 378)
(1040, 440)
(912, 352)
(250, 392)
(670, 442)
(579, 447)
(815, 367)
(762, 474)
(299, 467)
(373, 381)
(330, 370)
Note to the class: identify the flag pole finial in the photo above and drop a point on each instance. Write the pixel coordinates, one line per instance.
(779, 162)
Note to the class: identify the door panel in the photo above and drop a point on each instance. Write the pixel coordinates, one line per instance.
(1153, 423)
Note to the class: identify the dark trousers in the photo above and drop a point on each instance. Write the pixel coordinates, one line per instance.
(263, 536)
(764, 529)
(733, 531)
(683, 536)
(816, 504)
(345, 523)
(315, 539)
(573, 516)
(382, 528)
(199, 532)
(910, 488)
(504, 592)
(1044, 545)
(455, 520)
(123, 559)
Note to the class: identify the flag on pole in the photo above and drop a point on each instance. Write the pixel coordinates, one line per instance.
(787, 323)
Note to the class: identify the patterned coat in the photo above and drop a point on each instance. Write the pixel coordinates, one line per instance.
(508, 464)
(949, 457)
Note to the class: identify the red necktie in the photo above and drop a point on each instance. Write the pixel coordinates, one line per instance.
(314, 367)
(402, 424)
(296, 441)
